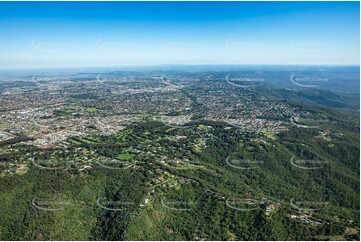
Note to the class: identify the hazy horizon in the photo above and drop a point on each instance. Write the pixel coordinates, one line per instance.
(107, 34)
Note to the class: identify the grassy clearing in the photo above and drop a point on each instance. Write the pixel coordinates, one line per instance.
(3, 126)
(270, 135)
(91, 110)
(125, 156)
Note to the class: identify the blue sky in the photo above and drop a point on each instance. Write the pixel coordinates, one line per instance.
(78, 34)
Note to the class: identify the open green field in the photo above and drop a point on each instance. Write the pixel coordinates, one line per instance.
(125, 156)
